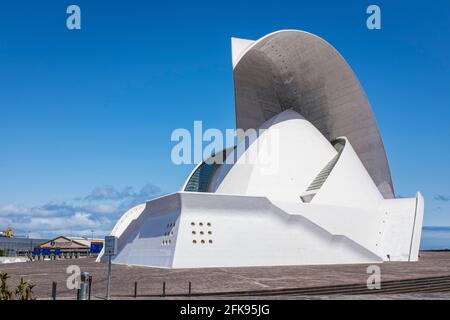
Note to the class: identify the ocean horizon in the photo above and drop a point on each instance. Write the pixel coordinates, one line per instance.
(435, 238)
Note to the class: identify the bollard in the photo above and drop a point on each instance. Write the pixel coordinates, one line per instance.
(90, 286)
(164, 289)
(78, 294)
(84, 286)
(189, 294)
(54, 290)
(135, 289)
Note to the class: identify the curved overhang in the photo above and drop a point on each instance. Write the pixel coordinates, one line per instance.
(295, 69)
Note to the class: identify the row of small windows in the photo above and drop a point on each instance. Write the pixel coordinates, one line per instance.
(201, 241)
(170, 225)
(201, 224)
(168, 233)
(166, 242)
(201, 232)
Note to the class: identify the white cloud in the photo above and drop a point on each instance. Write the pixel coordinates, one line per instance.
(111, 193)
(105, 208)
(11, 209)
(98, 211)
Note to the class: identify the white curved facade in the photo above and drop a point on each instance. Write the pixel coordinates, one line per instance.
(276, 161)
(299, 192)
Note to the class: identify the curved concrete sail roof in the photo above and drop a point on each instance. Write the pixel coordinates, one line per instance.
(298, 70)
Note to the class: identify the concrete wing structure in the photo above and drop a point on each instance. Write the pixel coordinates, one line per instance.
(310, 186)
(298, 70)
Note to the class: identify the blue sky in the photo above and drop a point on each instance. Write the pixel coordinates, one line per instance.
(86, 115)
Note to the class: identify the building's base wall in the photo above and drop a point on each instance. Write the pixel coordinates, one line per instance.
(195, 230)
(402, 221)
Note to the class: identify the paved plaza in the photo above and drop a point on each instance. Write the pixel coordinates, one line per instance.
(226, 280)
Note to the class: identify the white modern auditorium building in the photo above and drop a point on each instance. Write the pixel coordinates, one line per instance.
(330, 199)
